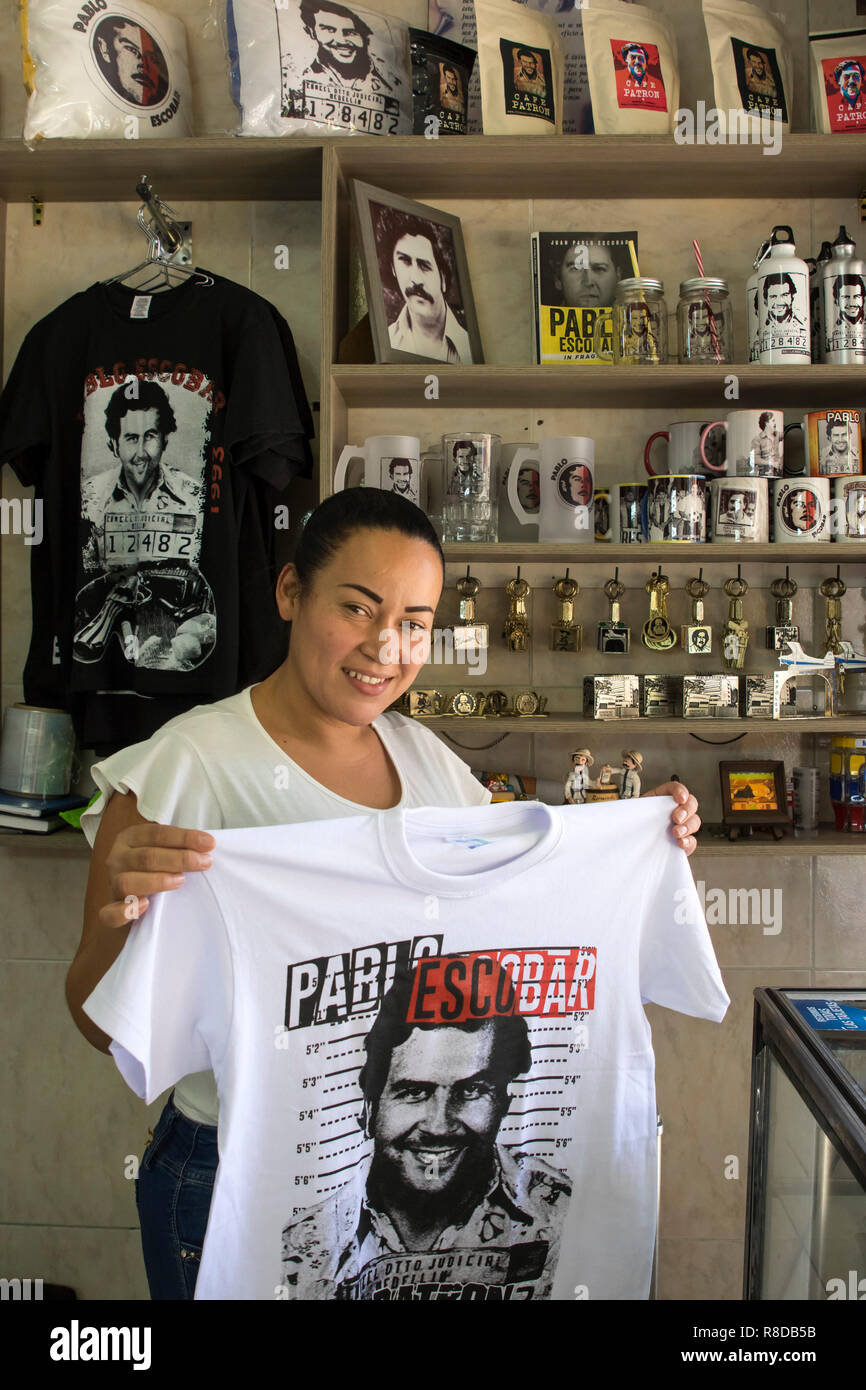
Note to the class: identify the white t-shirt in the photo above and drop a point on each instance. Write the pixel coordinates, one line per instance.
(371, 1144)
(216, 768)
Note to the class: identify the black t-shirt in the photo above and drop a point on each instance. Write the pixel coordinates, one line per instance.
(154, 444)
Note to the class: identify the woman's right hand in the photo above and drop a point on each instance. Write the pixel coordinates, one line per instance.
(149, 858)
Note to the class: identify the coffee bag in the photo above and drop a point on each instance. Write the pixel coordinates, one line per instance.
(751, 59)
(520, 66)
(441, 70)
(301, 67)
(839, 83)
(631, 60)
(104, 72)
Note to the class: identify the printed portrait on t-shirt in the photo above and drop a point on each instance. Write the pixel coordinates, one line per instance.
(442, 1179)
(143, 458)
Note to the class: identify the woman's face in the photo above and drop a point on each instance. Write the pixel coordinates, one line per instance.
(351, 621)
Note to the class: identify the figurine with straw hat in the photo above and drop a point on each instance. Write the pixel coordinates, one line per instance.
(632, 761)
(578, 779)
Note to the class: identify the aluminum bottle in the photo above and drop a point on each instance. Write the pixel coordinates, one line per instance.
(783, 303)
(816, 301)
(843, 290)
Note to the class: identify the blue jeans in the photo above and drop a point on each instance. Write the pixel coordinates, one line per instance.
(173, 1194)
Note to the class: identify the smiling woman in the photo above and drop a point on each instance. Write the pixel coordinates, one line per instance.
(315, 740)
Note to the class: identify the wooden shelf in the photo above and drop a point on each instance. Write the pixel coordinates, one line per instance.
(672, 553)
(227, 168)
(230, 167)
(578, 724)
(713, 840)
(605, 166)
(596, 387)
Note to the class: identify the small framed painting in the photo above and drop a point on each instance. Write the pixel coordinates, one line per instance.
(753, 793)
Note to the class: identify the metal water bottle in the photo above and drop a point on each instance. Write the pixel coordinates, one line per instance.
(783, 303)
(843, 289)
(816, 301)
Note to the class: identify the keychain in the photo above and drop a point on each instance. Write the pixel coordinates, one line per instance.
(735, 634)
(516, 630)
(657, 633)
(565, 633)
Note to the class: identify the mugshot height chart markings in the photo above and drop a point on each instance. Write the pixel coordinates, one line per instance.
(435, 1074)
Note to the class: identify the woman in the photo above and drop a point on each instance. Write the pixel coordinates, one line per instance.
(311, 741)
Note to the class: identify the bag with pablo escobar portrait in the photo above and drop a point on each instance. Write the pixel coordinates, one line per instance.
(838, 82)
(520, 65)
(95, 70)
(751, 58)
(631, 59)
(318, 67)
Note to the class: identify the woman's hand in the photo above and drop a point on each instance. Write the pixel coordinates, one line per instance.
(685, 820)
(149, 858)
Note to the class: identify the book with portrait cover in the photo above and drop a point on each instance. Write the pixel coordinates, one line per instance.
(574, 279)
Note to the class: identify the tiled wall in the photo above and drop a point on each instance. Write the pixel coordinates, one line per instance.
(67, 1210)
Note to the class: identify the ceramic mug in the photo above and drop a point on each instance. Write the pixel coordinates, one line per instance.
(739, 509)
(685, 438)
(565, 466)
(848, 509)
(675, 508)
(390, 461)
(754, 443)
(801, 509)
(833, 442)
(626, 518)
(510, 527)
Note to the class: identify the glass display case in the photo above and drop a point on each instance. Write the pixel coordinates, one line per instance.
(806, 1213)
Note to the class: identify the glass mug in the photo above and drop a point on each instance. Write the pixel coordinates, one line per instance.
(470, 505)
(566, 465)
(637, 325)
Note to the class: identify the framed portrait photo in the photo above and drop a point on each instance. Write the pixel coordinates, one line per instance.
(416, 278)
(753, 793)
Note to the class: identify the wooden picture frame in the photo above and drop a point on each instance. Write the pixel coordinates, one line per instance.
(382, 220)
(753, 793)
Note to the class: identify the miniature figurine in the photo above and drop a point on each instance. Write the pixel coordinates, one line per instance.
(632, 761)
(578, 779)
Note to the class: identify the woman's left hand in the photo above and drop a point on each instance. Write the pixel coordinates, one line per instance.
(685, 820)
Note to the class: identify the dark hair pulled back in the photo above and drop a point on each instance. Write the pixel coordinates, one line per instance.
(354, 509)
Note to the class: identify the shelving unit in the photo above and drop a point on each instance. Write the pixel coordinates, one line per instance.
(502, 167)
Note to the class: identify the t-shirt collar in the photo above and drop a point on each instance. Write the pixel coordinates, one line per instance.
(515, 816)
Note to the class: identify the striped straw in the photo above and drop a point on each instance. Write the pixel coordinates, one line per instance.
(712, 318)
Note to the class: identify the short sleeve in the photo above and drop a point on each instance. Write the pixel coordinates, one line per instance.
(169, 780)
(25, 424)
(268, 416)
(166, 1002)
(678, 967)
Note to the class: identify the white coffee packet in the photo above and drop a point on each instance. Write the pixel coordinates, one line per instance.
(104, 71)
(302, 67)
(839, 83)
(751, 59)
(631, 60)
(520, 67)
